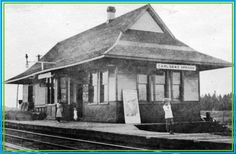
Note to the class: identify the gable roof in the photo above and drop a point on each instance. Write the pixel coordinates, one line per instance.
(146, 23)
(105, 40)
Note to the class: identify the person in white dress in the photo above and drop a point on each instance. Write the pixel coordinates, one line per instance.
(75, 117)
(59, 111)
(168, 115)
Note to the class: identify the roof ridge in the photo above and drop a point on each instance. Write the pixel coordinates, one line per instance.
(145, 6)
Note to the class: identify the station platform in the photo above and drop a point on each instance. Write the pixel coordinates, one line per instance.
(130, 131)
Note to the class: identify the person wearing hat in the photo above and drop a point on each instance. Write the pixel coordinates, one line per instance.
(168, 115)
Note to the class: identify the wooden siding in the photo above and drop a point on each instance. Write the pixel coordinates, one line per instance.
(40, 95)
(25, 93)
(191, 88)
(100, 112)
(153, 112)
(126, 81)
(51, 111)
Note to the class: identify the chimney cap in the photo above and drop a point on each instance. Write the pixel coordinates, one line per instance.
(111, 9)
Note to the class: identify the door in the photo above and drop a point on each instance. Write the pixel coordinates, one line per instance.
(30, 98)
(79, 100)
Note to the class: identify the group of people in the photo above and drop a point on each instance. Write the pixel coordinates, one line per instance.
(59, 111)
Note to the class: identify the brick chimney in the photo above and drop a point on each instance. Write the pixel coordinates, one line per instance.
(111, 12)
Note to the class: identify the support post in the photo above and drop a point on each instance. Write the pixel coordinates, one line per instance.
(55, 90)
(17, 93)
(68, 90)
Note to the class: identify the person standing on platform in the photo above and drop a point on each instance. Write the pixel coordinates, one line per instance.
(168, 116)
(75, 117)
(59, 108)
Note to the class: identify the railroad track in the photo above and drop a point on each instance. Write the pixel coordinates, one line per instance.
(13, 147)
(41, 141)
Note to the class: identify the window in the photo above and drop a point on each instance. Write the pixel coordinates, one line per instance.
(86, 96)
(157, 86)
(176, 82)
(142, 87)
(72, 90)
(191, 86)
(104, 86)
(164, 84)
(88, 90)
(63, 89)
(97, 88)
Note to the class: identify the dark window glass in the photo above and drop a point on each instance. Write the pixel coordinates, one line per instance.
(176, 82)
(90, 89)
(142, 87)
(157, 83)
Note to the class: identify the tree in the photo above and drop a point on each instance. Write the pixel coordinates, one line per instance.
(216, 102)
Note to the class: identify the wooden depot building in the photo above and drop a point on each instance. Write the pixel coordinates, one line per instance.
(134, 51)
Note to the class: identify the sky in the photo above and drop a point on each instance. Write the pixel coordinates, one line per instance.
(35, 28)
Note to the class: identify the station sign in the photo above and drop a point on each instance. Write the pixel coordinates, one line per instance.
(176, 67)
(45, 75)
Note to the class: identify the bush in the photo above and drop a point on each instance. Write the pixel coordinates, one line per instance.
(18, 115)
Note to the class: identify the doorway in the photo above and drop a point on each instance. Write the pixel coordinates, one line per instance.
(79, 100)
(30, 98)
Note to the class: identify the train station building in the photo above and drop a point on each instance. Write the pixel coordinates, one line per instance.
(135, 51)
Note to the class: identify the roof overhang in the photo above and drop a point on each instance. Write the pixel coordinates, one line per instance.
(202, 66)
(28, 78)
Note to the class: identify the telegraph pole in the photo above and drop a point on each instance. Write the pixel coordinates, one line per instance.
(38, 58)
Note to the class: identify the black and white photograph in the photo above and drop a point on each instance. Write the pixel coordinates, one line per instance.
(118, 77)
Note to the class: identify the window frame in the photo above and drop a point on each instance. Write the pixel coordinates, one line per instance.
(185, 75)
(155, 83)
(146, 84)
(90, 90)
(63, 91)
(97, 90)
(180, 86)
(152, 85)
(100, 84)
(168, 86)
